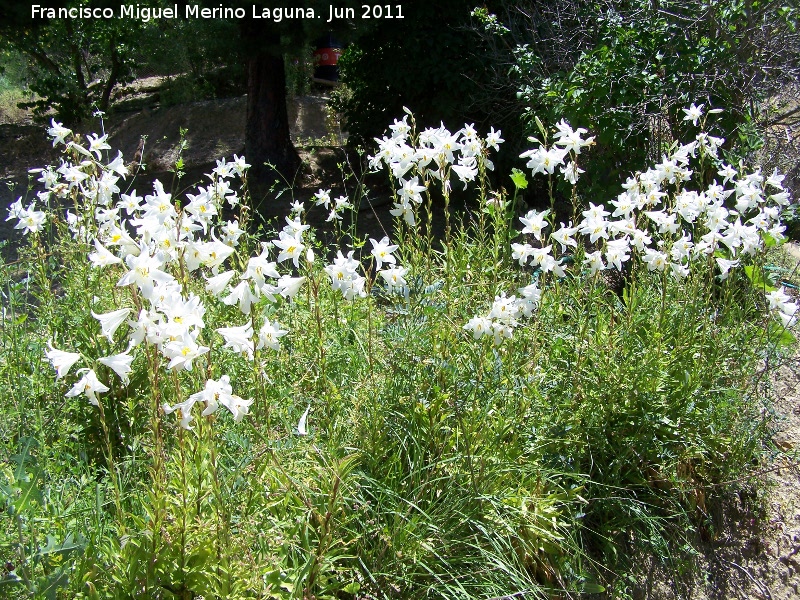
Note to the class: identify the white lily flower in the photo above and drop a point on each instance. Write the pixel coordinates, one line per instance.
(269, 335)
(594, 261)
(382, 251)
(58, 132)
(289, 286)
(395, 278)
(62, 361)
(217, 284)
(96, 144)
(144, 272)
(183, 352)
(323, 198)
(291, 247)
(693, 113)
(725, 266)
(239, 339)
(479, 326)
(103, 257)
(214, 394)
(535, 222)
(242, 295)
(88, 385)
(302, 425)
(109, 322)
(120, 364)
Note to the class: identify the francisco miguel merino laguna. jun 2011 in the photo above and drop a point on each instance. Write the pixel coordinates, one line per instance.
(193, 11)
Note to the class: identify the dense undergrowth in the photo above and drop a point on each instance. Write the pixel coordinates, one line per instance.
(506, 411)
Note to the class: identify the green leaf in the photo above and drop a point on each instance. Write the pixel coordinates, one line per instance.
(519, 179)
(352, 587)
(769, 241)
(757, 279)
(51, 583)
(12, 579)
(782, 336)
(541, 128)
(27, 492)
(66, 547)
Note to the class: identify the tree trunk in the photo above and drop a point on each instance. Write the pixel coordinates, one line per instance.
(267, 129)
(113, 76)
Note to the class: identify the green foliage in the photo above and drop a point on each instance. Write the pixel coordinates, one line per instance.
(625, 69)
(13, 73)
(184, 89)
(12, 70)
(427, 61)
(299, 70)
(648, 408)
(519, 179)
(200, 56)
(73, 64)
(193, 46)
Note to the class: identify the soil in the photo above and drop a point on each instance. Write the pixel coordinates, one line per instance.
(756, 553)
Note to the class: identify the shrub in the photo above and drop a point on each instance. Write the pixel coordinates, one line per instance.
(625, 70)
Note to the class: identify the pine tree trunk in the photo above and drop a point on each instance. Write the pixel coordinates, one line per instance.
(267, 129)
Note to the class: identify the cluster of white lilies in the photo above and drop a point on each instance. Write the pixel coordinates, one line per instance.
(657, 218)
(153, 248)
(435, 154)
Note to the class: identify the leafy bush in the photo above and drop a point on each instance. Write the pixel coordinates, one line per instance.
(73, 64)
(625, 70)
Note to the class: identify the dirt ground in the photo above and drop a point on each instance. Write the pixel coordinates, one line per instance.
(755, 556)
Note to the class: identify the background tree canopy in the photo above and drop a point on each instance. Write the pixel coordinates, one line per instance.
(625, 69)
(74, 63)
(622, 68)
